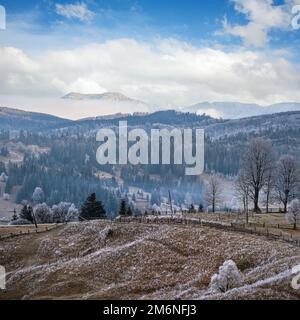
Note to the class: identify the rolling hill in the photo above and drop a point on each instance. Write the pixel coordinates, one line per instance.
(15, 120)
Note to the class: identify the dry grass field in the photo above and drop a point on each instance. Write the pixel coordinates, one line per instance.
(104, 260)
(276, 223)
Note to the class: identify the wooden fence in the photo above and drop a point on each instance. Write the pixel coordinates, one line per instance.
(194, 222)
(24, 231)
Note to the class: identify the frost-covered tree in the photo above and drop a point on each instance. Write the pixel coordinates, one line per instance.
(6, 196)
(288, 179)
(257, 162)
(269, 187)
(213, 192)
(293, 214)
(60, 212)
(38, 195)
(242, 189)
(156, 209)
(73, 213)
(42, 213)
(229, 277)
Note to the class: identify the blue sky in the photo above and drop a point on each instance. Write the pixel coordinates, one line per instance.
(189, 20)
(166, 53)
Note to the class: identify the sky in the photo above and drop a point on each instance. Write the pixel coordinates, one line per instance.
(169, 54)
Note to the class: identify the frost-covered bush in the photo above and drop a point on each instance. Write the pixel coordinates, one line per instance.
(6, 196)
(19, 222)
(156, 208)
(38, 195)
(46, 248)
(43, 213)
(73, 213)
(64, 211)
(229, 277)
(60, 211)
(293, 214)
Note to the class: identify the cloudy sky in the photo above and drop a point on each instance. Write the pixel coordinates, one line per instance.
(166, 53)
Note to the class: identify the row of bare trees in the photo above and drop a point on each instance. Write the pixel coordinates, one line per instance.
(261, 171)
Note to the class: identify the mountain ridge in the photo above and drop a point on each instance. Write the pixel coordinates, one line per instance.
(237, 110)
(16, 119)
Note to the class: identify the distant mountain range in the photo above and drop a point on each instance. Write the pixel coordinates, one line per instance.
(224, 110)
(219, 118)
(13, 119)
(113, 101)
(235, 110)
(111, 96)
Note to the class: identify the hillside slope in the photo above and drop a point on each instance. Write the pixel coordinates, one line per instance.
(101, 260)
(14, 119)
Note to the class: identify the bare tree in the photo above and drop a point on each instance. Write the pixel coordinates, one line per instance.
(293, 214)
(243, 191)
(213, 192)
(269, 187)
(257, 162)
(287, 181)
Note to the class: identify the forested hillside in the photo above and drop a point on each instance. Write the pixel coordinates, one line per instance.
(69, 170)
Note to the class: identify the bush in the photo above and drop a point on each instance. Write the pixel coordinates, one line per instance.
(43, 213)
(229, 277)
(46, 248)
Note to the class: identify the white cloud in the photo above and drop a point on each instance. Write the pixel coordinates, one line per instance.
(165, 74)
(263, 16)
(78, 11)
(85, 86)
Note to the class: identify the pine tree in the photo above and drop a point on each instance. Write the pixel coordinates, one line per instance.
(15, 216)
(192, 209)
(200, 209)
(129, 212)
(122, 210)
(93, 209)
(26, 213)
